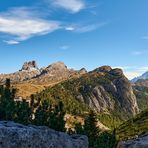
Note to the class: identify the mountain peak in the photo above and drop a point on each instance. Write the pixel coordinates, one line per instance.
(142, 77)
(29, 66)
(103, 69)
(58, 64)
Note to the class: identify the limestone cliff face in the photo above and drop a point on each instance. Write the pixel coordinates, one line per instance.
(125, 95)
(113, 89)
(13, 135)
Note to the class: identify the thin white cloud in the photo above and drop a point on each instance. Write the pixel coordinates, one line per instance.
(24, 25)
(138, 53)
(11, 42)
(64, 47)
(84, 28)
(73, 6)
(69, 28)
(145, 37)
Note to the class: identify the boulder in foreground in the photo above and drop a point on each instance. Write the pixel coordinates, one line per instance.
(141, 142)
(13, 135)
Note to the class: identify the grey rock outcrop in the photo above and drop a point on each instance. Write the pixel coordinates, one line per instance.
(97, 99)
(29, 66)
(28, 71)
(83, 71)
(125, 95)
(114, 89)
(13, 135)
(141, 142)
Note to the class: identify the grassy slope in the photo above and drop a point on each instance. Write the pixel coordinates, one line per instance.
(67, 92)
(136, 126)
(141, 93)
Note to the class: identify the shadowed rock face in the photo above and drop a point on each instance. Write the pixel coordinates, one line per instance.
(13, 135)
(141, 142)
(82, 71)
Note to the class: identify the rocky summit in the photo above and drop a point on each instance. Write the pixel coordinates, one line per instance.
(51, 74)
(28, 71)
(13, 135)
(107, 88)
(29, 66)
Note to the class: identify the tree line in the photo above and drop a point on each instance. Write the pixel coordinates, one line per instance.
(41, 112)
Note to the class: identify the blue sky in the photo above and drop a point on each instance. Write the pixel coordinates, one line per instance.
(81, 33)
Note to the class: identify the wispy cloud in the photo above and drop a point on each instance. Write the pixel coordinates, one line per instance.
(145, 37)
(138, 53)
(23, 24)
(64, 47)
(11, 42)
(73, 6)
(84, 28)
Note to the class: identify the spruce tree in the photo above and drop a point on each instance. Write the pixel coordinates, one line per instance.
(90, 128)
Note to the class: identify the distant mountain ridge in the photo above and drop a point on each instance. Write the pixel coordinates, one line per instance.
(142, 77)
(56, 71)
(103, 89)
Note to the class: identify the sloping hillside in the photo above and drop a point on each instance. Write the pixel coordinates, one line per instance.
(141, 93)
(104, 90)
(30, 79)
(134, 127)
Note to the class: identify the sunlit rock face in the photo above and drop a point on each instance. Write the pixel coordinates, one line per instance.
(13, 135)
(52, 73)
(113, 89)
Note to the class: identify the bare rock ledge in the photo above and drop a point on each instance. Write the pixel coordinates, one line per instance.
(14, 135)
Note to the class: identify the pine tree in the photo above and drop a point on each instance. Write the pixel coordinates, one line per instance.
(42, 114)
(23, 112)
(106, 140)
(57, 121)
(79, 129)
(7, 103)
(90, 128)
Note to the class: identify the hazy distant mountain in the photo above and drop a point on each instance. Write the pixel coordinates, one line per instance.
(142, 77)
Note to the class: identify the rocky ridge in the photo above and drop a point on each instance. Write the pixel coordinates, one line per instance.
(53, 73)
(103, 89)
(114, 91)
(142, 77)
